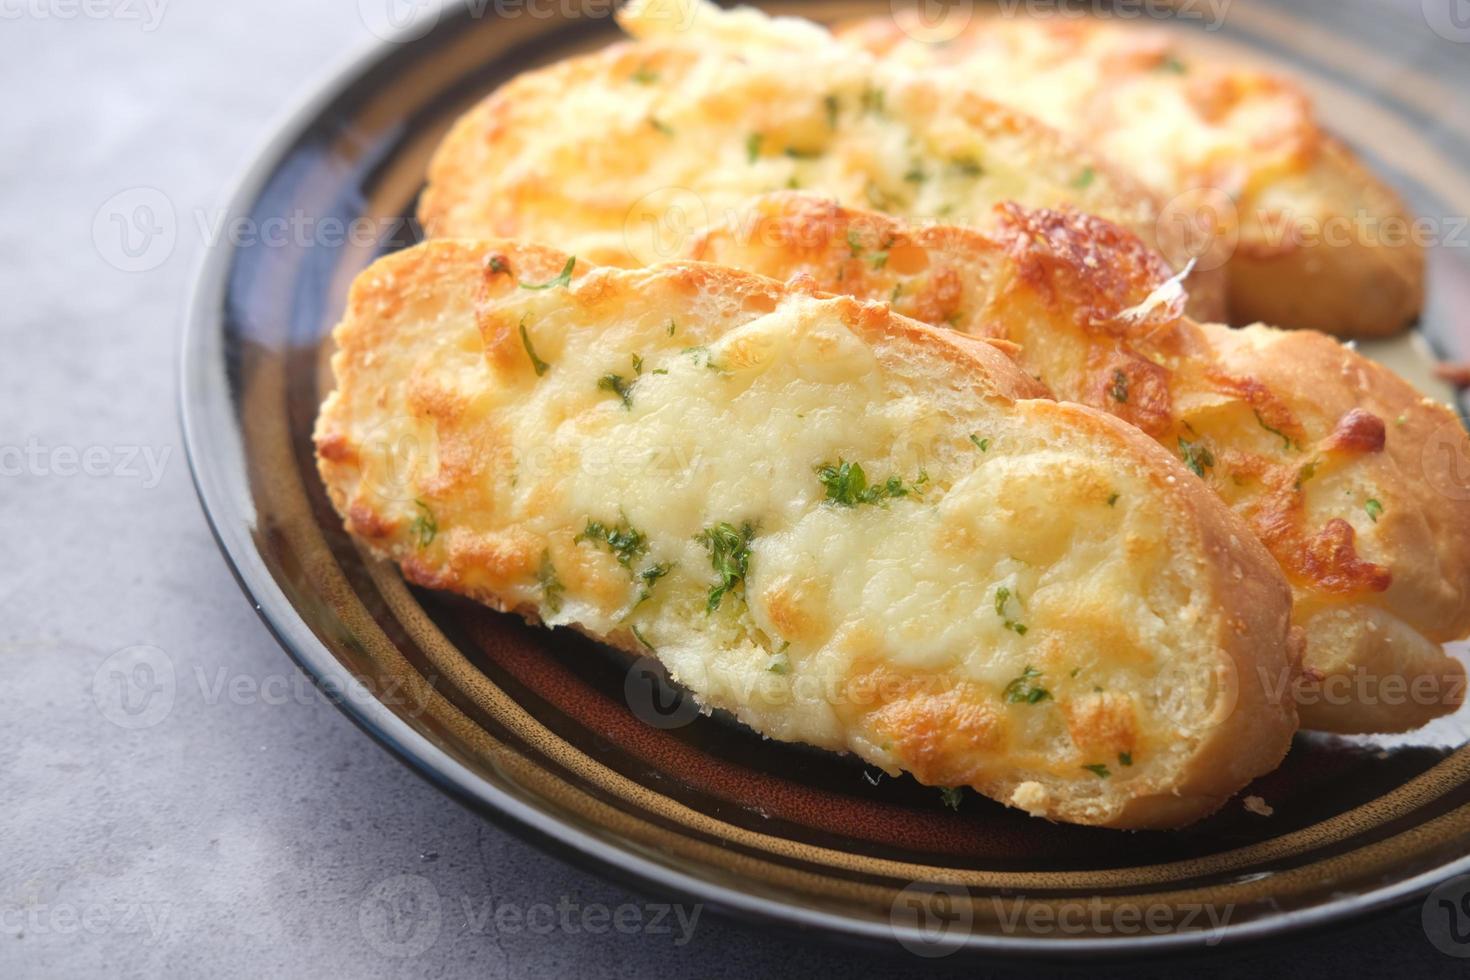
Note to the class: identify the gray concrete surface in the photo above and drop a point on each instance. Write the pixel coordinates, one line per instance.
(250, 829)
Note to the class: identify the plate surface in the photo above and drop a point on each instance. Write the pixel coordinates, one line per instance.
(578, 750)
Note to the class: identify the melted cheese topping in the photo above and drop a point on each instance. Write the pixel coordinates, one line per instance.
(620, 156)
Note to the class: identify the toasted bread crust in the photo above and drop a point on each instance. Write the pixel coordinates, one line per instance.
(472, 515)
(1315, 239)
(1300, 432)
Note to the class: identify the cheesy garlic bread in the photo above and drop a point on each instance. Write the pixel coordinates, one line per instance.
(1321, 451)
(1314, 238)
(618, 156)
(843, 526)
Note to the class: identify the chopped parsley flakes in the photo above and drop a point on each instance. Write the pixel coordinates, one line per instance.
(552, 589)
(643, 76)
(847, 485)
(729, 555)
(618, 385)
(540, 366)
(1099, 770)
(1197, 456)
(753, 147)
(833, 107)
(1286, 442)
(1003, 596)
(424, 526)
(622, 539)
(952, 796)
(1025, 690)
(981, 444)
(1374, 509)
(564, 279)
(1083, 180)
(1119, 388)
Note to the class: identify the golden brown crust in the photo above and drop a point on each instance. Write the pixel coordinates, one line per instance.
(478, 531)
(1353, 269)
(1323, 452)
(1313, 238)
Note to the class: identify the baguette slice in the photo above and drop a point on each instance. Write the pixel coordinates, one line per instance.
(1318, 240)
(845, 527)
(1348, 475)
(621, 155)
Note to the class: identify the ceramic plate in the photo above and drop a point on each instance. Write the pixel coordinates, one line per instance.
(571, 745)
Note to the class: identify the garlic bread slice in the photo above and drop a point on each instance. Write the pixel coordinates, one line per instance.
(844, 527)
(1314, 238)
(620, 155)
(1353, 480)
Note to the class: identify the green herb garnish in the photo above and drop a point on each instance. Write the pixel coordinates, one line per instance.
(649, 576)
(1125, 758)
(1173, 65)
(981, 444)
(497, 264)
(1119, 388)
(540, 366)
(622, 539)
(1002, 596)
(1197, 456)
(854, 244)
(729, 555)
(1286, 442)
(753, 146)
(1112, 499)
(967, 166)
(952, 796)
(643, 76)
(565, 279)
(661, 126)
(551, 586)
(424, 526)
(847, 485)
(618, 385)
(641, 639)
(1083, 180)
(1099, 770)
(1374, 509)
(1025, 690)
(833, 106)
(873, 101)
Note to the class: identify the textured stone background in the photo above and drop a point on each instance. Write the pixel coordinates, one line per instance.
(252, 830)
